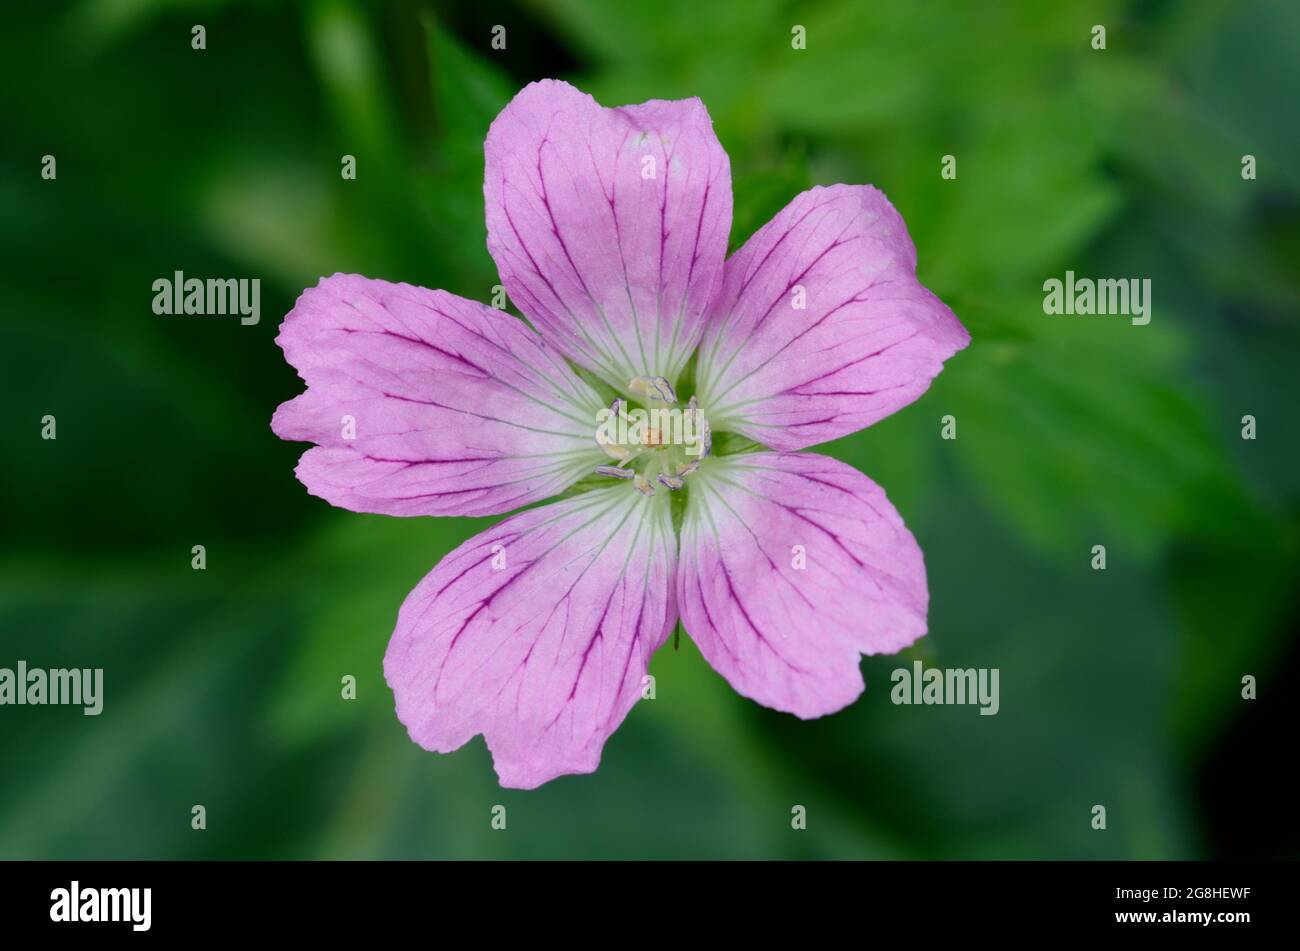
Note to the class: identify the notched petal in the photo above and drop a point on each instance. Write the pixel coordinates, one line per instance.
(792, 566)
(424, 403)
(538, 634)
(821, 327)
(609, 226)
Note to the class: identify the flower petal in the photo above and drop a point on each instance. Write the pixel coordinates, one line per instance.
(537, 633)
(821, 327)
(609, 226)
(785, 635)
(424, 403)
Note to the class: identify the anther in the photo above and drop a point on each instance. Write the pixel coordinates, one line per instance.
(701, 446)
(703, 442)
(612, 449)
(655, 388)
(671, 482)
(642, 486)
(615, 471)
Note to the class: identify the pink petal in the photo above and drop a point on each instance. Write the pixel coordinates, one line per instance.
(867, 342)
(617, 269)
(459, 409)
(546, 655)
(786, 636)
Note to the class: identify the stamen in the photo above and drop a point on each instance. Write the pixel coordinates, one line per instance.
(606, 441)
(671, 482)
(642, 486)
(704, 434)
(655, 388)
(686, 468)
(616, 472)
(614, 450)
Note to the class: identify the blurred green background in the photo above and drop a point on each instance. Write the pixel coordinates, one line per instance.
(222, 687)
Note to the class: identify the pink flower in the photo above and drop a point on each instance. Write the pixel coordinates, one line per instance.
(609, 228)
